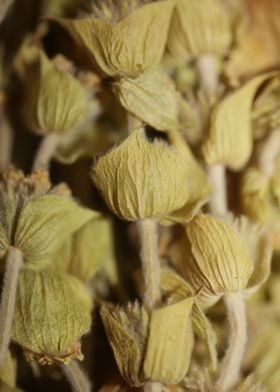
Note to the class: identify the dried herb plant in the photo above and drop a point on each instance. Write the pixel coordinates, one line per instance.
(140, 196)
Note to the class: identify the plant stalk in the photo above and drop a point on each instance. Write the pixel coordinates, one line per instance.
(45, 152)
(150, 261)
(14, 262)
(76, 376)
(207, 73)
(231, 364)
(218, 203)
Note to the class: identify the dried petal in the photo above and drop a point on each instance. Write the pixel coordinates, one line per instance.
(170, 343)
(126, 331)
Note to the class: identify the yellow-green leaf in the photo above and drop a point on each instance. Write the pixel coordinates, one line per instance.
(45, 223)
(151, 98)
(230, 138)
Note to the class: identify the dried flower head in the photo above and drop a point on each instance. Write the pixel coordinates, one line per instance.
(54, 102)
(199, 27)
(214, 256)
(53, 312)
(141, 178)
(36, 218)
(128, 47)
(137, 338)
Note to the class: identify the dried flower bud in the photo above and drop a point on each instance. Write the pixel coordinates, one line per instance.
(126, 331)
(54, 101)
(230, 139)
(199, 27)
(214, 257)
(53, 312)
(151, 97)
(36, 219)
(136, 338)
(134, 44)
(141, 179)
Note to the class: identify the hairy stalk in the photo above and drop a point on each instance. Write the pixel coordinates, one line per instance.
(232, 360)
(6, 142)
(45, 152)
(207, 73)
(218, 203)
(150, 261)
(152, 387)
(14, 262)
(76, 377)
(269, 152)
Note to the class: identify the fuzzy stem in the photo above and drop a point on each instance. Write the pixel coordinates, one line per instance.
(45, 152)
(232, 360)
(76, 377)
(14, 262)
(153, 387)
(269, 152)
(218, 203)
(6, 142)
(150, 261)
(207, 73)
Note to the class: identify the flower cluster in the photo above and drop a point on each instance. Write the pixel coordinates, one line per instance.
(140, 195)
